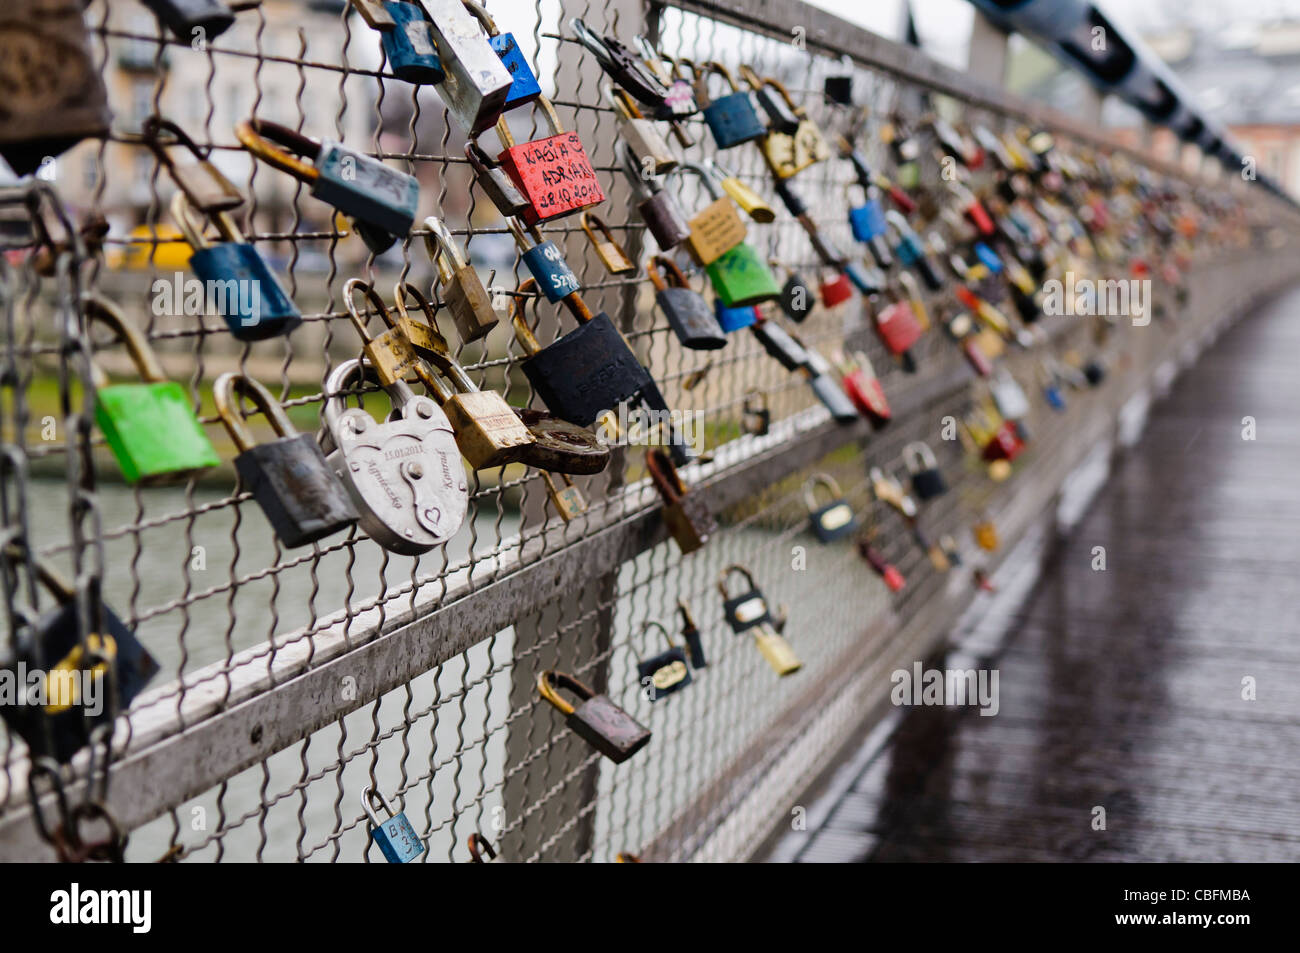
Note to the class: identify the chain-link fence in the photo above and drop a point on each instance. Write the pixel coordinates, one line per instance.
(293, 680)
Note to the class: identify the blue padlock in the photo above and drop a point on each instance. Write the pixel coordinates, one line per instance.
(381, 199)
(545, 262)
(1055, 399)
(988, 258)
(236, 276)
(524, 88)
(409, 46)
(395, 836)
(869, 281)
(733, 319)
(732, 118)
(868, 219)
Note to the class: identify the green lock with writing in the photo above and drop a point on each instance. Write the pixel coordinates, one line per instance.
(741, 277)
(150, 426)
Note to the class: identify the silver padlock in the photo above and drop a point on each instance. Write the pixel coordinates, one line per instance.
(405, 474)
(648, 145)
(476, 82)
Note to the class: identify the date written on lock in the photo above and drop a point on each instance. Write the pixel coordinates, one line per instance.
(556, 173)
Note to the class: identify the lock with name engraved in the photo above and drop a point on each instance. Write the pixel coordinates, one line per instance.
(649, 148)
(691, 633)
(381, 199)
(663, 217)
(302, 498)
(716, 229)
(466, 298)
(254, 305)
(586, 373)
(687, 312)
(395, 836)
(741, 277)
(49, 658)
(927, 478)
(553, 173)
(475, 82)
(685, 514)
(544, 261)
(829, 521)
(596, 719)
(406, 37)
(787, 150)
(608, 250)
(150, 425)
(663, 674)
(404, 475)
(731, 117)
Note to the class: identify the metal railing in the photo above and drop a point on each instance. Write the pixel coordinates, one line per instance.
(294, 680)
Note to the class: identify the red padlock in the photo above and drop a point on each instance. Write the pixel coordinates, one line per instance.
(836, 290)
(897, 325)
(972, 208)
(863, 387)
(1005, 444)
(889, 573)
(554, 174)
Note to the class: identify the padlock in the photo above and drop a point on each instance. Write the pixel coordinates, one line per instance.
(888, 572)
(787, 153)
(731, 118)
(780, 344)
(642, 136)
(866, 219)
(562, 447)
(796, 206)
(835, 289)
(587, 372)
(686, 310)
(718, 228)
(984, 310)
(927, 478)
(829, 521)
(776, 650)
(741, 277)
(466, 298)
(755, 415)
(478, 846)
(663, 674)
(870, 281)
(253, 305)
(423, 336)
(596, 720)
(685, 514)
(912, 253)
(986, 534)
(406, 37)
(864, 389)
(628, 70)
(569, 501)
(691, 634)
(887, 489)
(54, 95)
(1005, 443)
(826, 387)
(495, 182)
(680, 101)
(488, 431)
(747, 610)
(750, 202)
(381, 199)
(288, 477)
(206, 186)
(544, 261)
(150, 425)
(391, 355)
(659, 210)
(733, 319)
(608, 250)
(838, 89)
(1009, 396)
(201, 19)
(49, 660)
(475, 82)
(796, 298)
(395, 836)
(404, 475)
(524, 87)
(898, 328)
(553, 173)
(971, 207)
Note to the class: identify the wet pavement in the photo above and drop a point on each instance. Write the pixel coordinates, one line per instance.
(1163, 691)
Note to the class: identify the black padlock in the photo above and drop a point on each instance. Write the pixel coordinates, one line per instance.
(297, 490)
(665, 673)
(183, 17)
(691, 633)
(688, 314)
(779, 343)
(746, 610)
(57, 714)
(1094, 372)
(797, 299)
(597, 720)
(828, 521)
(587, 372)
(927, 480)
(839, 89)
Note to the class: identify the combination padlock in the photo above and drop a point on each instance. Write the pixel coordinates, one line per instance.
(665, 673)
(828, 521)
(395, 836)
(686, 515)
(404, 475)
(687, 312)
(302, 498)
(596, 720)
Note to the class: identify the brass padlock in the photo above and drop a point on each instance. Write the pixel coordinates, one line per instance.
(986, 534)
(778, 652)
(390, 354)
(648, 145)
(753, 204)
(788, 153)
(597, 720)
(569, 502)
(467, 299)
(608, 250)
(718, 228)
(422, 335)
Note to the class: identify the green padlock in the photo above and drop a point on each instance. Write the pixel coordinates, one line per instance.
(741, 277)
(150, 426)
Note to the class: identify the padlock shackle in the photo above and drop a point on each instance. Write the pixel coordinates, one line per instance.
(439, 391)
(622, 101)
(518, 318)
(280, 147)
(335, 401)
(96, 307)
(373, 300)
(713, 66)
(592, 41)
(478, 846)
(550, 682)
(646, 627)
(638, 178)
(753, 204)
(375, 15)
(810, 489)
(731, 570)
(548, 110)
(664, 475)
(757, 82)
(592, 223)
(676, 277)
(226, 391)
(368, 806)
(918, 456)
(150, 135)
(653, 59)
(699, 169)
(440, 245)
(49, 577)
(479, 13)
(184, 214)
